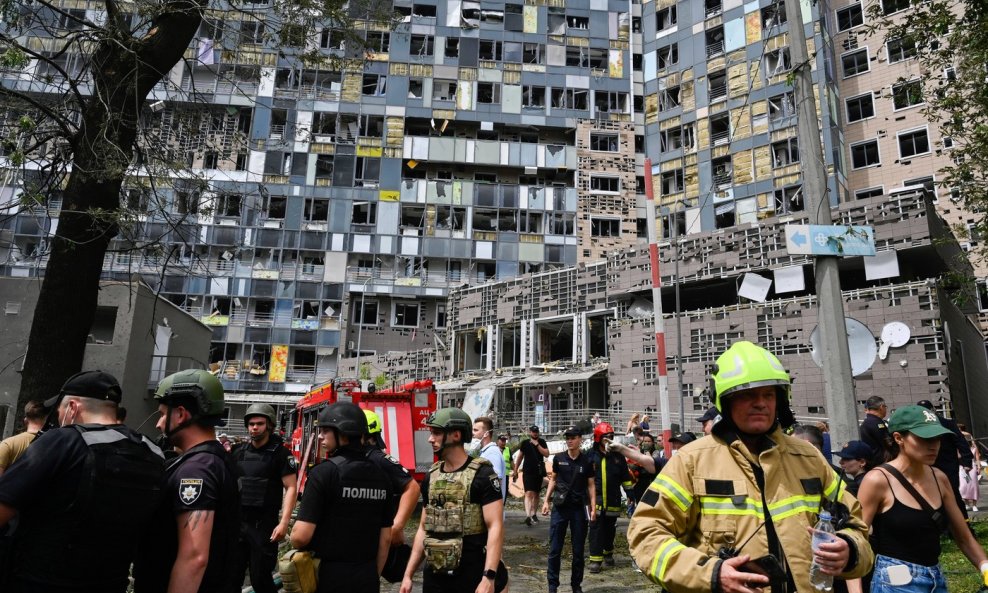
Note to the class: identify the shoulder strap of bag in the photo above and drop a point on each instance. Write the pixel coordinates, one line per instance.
(911, 490)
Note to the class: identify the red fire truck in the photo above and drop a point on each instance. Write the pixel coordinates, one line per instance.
(402, 409)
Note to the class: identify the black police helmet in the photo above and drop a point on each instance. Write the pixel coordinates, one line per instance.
(345, 417)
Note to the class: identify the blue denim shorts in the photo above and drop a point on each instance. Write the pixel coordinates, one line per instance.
(923, 579)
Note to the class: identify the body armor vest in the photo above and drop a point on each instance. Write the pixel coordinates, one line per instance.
(258, 477)
(449, 515)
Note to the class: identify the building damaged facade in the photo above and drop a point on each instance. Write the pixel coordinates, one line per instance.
(585, 335)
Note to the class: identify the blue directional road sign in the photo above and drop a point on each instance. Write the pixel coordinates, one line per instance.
(833, 240)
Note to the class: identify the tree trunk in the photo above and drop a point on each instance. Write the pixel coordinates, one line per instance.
(124, 70)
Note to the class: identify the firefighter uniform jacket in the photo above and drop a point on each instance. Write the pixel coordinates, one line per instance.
(712, 496)
(611, 474)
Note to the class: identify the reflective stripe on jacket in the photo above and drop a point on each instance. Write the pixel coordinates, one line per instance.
(610, 475)
(706, 498)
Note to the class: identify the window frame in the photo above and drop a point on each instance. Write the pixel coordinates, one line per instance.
(867, 62)
(903, 85)
(613, 224)
(847, 107)
(878, 147)
(405, 303)
(609, 179)
(838, 11)
(925, 130)
(858, 196)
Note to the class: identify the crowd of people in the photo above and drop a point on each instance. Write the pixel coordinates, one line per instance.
(729, 511)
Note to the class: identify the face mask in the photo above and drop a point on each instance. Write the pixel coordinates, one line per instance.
(648, 447)
(474, 447)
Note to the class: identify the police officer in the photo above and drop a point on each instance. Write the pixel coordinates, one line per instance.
(194, 547)
(345, 517)
(571, 491)
(83, 493)
(611, 474)
(267, 471)
(460, 533)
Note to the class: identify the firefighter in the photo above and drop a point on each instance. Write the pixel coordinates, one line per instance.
(709, 513)
(345, 517)
(83, 493)
(405, 496)
(460, 533)
(268, 489)
(611, 475)
(194, 547)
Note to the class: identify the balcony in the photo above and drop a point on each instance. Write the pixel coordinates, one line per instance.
(715, 48)
(713, 7)
(718, 92)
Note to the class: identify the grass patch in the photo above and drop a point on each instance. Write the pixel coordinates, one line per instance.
(961, 576)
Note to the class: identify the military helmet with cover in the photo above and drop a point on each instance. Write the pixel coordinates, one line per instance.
(196, 385)
(448, 419)
(266, 410)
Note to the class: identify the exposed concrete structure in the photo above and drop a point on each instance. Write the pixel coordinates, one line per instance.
(137, 336)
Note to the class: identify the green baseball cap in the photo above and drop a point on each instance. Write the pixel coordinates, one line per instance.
(917, 420)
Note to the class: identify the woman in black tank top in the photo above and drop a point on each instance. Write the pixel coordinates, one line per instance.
(903, 502)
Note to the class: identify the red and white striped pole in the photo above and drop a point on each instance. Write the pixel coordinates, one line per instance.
(660, 325)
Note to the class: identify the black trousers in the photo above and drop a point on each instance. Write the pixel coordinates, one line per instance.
(602, 533)
(348, 577)
(256, 552)
(466, 579)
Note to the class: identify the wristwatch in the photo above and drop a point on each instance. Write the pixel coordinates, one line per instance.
(490, 574)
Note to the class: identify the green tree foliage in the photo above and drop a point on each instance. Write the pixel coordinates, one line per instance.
(949, 39)
(77, 127)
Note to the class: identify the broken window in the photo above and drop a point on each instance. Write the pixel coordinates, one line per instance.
(488, 93)
(860, 107)
(365, 312)
(347, 129)
(530, 222)
(868, 193)
(712, 7)
(139, 199)
(600, 183)
(785, 153)
(789, 199)
(331, 39)
(452, 48)
(187, 201)
(441, 315)
(669, 98)
(717, 85)
(104, 324)
(378, 42)
(781, 107)
(561, 223)
(371, 125)
(577, 57)
(324, 124)
(533, 53)
(406, 314)
(443, 90)
(723, 171)
(715, 41)
(490, 50)
(316, 210)
(368, 173)
(273, 207)
(251, 32)
(422, 45)
(724, 216)
(507, 220)
(672, 182)
(913, 143)
(777, 62)
(375, 84)
(674, 225)
(907, 94)
(512, 51)
(450, 218)
(577, 22)
(557, 21)
(604, 142)
(412, 217)
(324, 166)
(666, 18)
(597, 58)
(415, 86)
(901, 49)
(605, 227)
(865, 154)
(424, 10)
(855, 62)
(773, 15)
(611, 101)
(210, 160)
(720, 129)
(569, 98)
(229, 205)
(849, 17)
(667, 56)
(671, 139)
(533, 96)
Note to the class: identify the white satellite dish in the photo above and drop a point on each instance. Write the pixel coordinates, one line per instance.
(894, 335)
(860, 343)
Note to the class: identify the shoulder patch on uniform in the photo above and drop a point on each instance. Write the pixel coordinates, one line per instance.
(651, 497)
(812, 485)
(189, 490)
(292, 463)
(496, 482)
(719, 487)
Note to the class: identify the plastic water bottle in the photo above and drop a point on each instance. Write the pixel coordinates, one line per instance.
(823, 533)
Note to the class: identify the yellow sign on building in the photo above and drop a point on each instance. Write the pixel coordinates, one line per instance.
(279, 363)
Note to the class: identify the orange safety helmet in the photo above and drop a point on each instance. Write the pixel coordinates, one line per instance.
(602, 430)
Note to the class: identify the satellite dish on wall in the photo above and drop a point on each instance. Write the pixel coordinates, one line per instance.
(894, 335)
(860, 343)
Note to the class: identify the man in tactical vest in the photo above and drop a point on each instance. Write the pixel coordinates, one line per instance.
(198, 524)
(461, 531)
(345, 517)
(268, 489)
(83, 492)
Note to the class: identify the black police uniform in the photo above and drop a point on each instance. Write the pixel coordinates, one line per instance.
(348, 499)
(201, 479)
(396, 473)
(485, 489)
(83, 493)
(874, 431)
(261, 471)
(572, 477)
